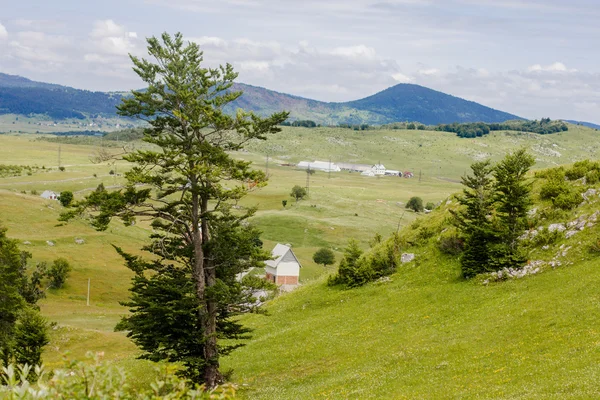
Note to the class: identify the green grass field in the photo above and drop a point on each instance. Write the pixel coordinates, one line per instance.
(425, 334)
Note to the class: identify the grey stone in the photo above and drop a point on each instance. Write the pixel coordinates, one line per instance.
(407, 257)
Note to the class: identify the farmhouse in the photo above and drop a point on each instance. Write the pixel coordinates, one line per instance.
(284, 269)
(319, 166)
(49, 194)
(379, 169)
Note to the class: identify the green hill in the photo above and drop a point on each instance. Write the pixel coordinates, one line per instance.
(426, 333)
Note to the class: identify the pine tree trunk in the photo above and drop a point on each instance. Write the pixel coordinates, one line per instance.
(212, 376)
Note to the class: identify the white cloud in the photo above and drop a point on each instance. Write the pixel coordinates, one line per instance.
(555, 67)
(429, 71)
(110, 38)
(260, 66)
(360, 51)
(401, 78)
(3, 32)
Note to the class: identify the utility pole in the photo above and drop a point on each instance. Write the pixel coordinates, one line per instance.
(267, 166)
(88, 293)
(419, 176)
(308, 181)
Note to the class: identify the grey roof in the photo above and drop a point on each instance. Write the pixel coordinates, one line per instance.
(281, 253)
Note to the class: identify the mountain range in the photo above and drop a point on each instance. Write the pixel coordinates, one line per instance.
(402, 102)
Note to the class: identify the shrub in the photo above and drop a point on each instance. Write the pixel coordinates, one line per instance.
(97, 380)
(58, 272)
(65, 198)
(552, 188)
(429, 206)
(451, 244)
(324, 256)
(298, 193)
(546, 237)
(567, 200)
(592, 177)
(61, 168)
(415, 203)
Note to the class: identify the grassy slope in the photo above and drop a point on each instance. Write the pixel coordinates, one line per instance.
(375, 200)
(429, 334)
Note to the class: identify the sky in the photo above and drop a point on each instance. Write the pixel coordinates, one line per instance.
(532, 58)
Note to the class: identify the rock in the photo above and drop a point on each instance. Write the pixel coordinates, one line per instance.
(407, 257)
(588, 194)
(557, 227)
(546, 247)
(27, 242)
(532, 212)
(568, 234)
(594, 216)
(49, 242)
(79, 241)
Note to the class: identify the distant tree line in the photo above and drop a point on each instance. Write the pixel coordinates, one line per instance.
(356, 127)
(475, 129)
(307, 123)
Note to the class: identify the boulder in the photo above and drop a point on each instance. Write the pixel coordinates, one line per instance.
(557, 227)
(49, 242)
(407, 257)
(79, 241)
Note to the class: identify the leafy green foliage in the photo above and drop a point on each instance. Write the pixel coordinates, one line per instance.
(415, 203)
(22, 331)
(298, 193)
(357, 268)
(471, 130)
(97, 380)
(16, 170)
(581, 168)
(430, 206)
(58, 272)
(65, 198)
(324, 256)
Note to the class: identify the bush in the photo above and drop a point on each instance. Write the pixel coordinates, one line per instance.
(592, 177)
(567, 200)
(429, 206)
(298, 193)
(451, 244)
(58, 272)
(65, 198)
(61, 168)
(324, 257)
(95, 380)
(415, 203)
(357, 268)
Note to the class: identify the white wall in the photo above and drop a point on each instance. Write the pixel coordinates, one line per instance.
(287, 269)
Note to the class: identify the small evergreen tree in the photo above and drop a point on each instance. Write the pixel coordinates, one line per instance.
(31, 335)
(513, 200)
(324, 256)
(474, 220)
(347, 270)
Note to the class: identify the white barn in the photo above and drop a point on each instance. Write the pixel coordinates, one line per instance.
(319, 166)
(284, 269)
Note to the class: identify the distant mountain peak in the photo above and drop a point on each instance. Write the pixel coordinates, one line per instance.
(401, 102)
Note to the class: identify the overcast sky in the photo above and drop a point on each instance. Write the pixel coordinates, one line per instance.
(533, 58)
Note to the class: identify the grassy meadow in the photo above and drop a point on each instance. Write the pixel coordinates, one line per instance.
(424, 334)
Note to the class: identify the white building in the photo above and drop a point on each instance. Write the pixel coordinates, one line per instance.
(392, 172)
(354, 167)
(49, 194)
(284, 269)
(379, 169)
(368, 172)
(319, 166)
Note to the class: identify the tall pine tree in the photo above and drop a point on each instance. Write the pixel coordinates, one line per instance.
(187, 184)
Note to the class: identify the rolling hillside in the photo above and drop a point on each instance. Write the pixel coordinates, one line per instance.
(403, 102)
